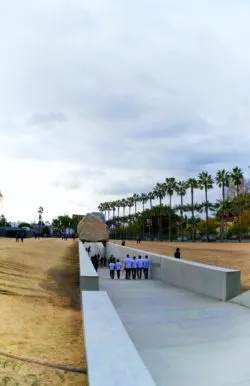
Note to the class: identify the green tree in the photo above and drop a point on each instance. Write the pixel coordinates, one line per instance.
(193, 184)
(136, 199)
(209, 226)
(160, 193)
(205, 181)
(237, 179)
(144, 200)
(181, 190)
(40, 215)
(24, 225)
(3, 221)
(222, 180)
(130, 204)
(151, 197)
(170, 184)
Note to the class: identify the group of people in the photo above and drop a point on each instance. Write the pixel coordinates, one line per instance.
(134, 267)
(99, 261)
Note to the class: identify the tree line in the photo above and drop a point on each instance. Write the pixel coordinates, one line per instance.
(233, 201)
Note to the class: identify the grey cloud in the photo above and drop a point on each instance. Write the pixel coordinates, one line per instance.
(158, 96)
(68, 185)
(127, 187)
(121, 107)
(161, 130)
(75, 179)
(47, 118)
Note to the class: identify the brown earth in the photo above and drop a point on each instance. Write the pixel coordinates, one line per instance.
(228, 255)
(40, 314)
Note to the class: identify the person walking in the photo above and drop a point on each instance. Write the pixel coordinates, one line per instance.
(112, 270)
(105, 261)
(139, 267)
(145, 267)
(134, 268)
(95, 262)
(118, 267)
(128, 266)
(177, 253)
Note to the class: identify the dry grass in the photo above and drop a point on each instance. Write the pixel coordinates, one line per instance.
(40, 316)
(229, 255)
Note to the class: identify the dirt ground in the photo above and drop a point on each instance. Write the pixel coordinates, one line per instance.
(40, 315)
(228, 255)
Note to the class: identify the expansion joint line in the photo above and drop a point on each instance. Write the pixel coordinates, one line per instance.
(59, 367)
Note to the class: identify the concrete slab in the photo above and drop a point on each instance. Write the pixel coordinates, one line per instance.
(184, 338)
(243, 299)
(111, 356)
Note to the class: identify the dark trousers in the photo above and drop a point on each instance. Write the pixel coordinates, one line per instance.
(112, 274)
(134, 273)
(139, 273)
(128, 272)
(118, 272)
(145, 271)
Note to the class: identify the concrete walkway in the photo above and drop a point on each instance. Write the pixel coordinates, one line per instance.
(184, 339)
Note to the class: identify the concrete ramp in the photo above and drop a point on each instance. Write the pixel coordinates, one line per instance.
(243, 299)
(183, 338)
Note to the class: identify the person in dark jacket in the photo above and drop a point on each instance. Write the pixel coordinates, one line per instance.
(95, 262)
(177, 253)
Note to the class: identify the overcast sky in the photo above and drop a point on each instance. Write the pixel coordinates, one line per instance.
(100, 99)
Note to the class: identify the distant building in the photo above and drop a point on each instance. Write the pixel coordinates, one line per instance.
(77, 216)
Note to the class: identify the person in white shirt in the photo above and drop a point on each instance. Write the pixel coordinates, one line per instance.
(145, 267)
(139, 267)
(134, 268)
(128, 266)
(118, 267)
(112, 270)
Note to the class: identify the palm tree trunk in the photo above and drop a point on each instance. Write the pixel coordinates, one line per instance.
(239, 218)
(192, 209)
(206, 208)
(143, 225)
(182, 218)
(169, 219)
(222, 218)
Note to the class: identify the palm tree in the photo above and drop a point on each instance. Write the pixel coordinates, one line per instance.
(113, 207)
(160, 192)
(205, 181)
(151, 197)
(118, 205)
(181, 190)
(171, 186)
(144, 200)
(237, 178)
(136, 199)
(108, 208)
(192, 184)
(130, 201)
(222, 179)
(124, 204)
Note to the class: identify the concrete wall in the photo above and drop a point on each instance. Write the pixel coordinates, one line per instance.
(89, 279)
(112, 358)
(219, 283)
(95, 248)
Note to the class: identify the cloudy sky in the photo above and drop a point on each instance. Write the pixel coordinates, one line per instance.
(103, 98)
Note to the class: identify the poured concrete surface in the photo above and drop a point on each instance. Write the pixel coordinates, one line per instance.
(111, 356)
(183, 338)
(243, 299)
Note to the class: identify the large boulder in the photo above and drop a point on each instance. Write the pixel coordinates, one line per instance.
(92, 228)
